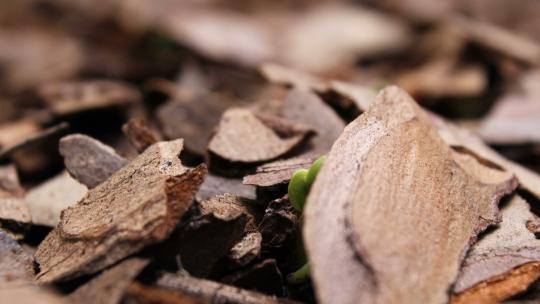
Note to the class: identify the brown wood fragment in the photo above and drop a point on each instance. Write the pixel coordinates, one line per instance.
(509, 246)
(35, 139)
(71, 97)
(109, 287)
(137, 206)
(391, 198)
(216, 185)
(12, 133)
(280, 74)
(15, 264)
(29, 295)
(279, 222)
(47, 200)
(88, 160)
(501, 287)
(140, 134)
(278, 171)
(246, 250)
(241, 137)
(14, 212)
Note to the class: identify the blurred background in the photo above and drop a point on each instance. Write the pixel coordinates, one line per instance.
(89, 66)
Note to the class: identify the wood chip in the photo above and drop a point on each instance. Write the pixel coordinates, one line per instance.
(72, 97)
(279, 222)
(109, 287)
(246, 250)
(217, 185)
(499, 252)
(140, 134)
(14, 212)
(391, 167)
(241, 137)
(16, 264)
(12, 133)
(279, 171)
(88, 160)
(29, 294)
(47, 200)
(280, 74)
(35, 139)
(137, 206)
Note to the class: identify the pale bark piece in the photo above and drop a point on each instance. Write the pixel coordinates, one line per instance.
(276, 73)
(15, 265)
(241, 137)
(137, 206)
(392, 198)
(140, 134)
(14, 212)
(88, 160)
(246, 250)
(511, 245)
(109, 287)
(72, 97)
(279, 171)
(47, 200)
(305, 107)
(216, 185)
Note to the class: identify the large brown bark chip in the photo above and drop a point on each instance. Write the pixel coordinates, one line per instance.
(242, 137)
(509, 246)
(392, 198)
(137, 206)
(88, 160)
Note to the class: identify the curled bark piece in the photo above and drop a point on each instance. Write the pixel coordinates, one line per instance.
(88, 160)
(109, 287)
(499, 252)
(241, 137)
(71, 97)
(391, 198)
(279, 171)
(47, 200)
(139, 134)
(137, 206)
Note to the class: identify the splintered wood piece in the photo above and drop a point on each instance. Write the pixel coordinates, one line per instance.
(500, 251)
(392, 198)
(109, 287)
(279, 171)
(71, 97)
(15, 265)
(14, 210)
(137, 206)
(88, 160)
(241, 137)
(140, 134)
(46, 201)
(305, 107)
(246, 250)
(216, 185)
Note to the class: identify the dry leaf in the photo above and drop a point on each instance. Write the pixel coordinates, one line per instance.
(88, 160)
(137, 206)
(390, 167)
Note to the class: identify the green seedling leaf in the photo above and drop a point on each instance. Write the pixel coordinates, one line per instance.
(298, 189)
(314, 170)
(299, 276)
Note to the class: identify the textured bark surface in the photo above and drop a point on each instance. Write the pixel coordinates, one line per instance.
(137, 206)
(279, 171)
(390, 167)
(248, 249)
(140, 135)
(13, 207)
(88, 160)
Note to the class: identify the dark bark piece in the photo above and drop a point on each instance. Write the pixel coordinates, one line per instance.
(64, 98)
(263, 277)
(278, 223)
(216, 185)
(88, 160)
(305, 107)
(509, 246)
(391, 166)
(241, 137)
(16, 264)
(137, 206)
(142, 294)
(279, 171)
(14, 213)
(245, 251)
(47, 200)
(109, 287)
(140, 134)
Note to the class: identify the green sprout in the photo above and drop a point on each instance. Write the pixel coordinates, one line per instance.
(298, 190)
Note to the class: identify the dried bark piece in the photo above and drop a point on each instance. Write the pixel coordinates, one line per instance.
(88, 160)
(263, 277)
(246, 250)
(279, 222)
(14, 212)
(216, 185)
(12, 132)
(305, 107)
(280, 74)
(140, 134)
(29, 294)
(47, 200)
(241, 137)
(279, 171)
(509, 246)
(16, 264)
(35, 139)
(137, 206)
(391, 166)
(72, 97)
(501, 287)
(109, 287)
